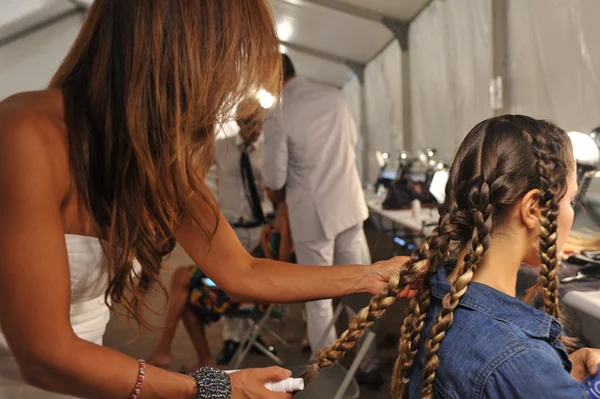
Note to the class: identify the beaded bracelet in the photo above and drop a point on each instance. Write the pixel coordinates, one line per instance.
(140, 379)
(212, 383)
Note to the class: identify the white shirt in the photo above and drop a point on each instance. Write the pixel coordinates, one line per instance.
(310, 142)
(230, 187)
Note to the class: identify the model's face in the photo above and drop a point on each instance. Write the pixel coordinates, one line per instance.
(566, 214)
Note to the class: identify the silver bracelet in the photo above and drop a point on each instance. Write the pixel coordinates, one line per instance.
(212, 383)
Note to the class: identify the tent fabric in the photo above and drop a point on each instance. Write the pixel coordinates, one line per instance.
(554, 61)
(383, 96)
(553, 54)
(450, 56)
(352, 95)
(30, 62)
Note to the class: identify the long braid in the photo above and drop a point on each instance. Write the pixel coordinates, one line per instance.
(546, 164)
(410, 337)
(478, 244)
(411, 272)
(503, 157)
(548, 276)
(414, 320)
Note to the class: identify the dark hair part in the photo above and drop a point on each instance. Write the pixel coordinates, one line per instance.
(144, 85)
(288, 67)
(498, 162)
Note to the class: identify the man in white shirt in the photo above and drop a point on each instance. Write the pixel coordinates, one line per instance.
(237, 204)
(310, 142)
(232, 196)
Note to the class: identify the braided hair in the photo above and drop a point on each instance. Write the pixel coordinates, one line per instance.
(498, 162)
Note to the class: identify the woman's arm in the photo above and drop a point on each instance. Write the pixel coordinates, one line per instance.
(35, 279)
(35, 284)
(246, 278)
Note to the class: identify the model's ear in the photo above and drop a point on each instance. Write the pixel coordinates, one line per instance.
(529, 209)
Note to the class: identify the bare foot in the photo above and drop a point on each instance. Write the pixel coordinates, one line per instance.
(160, 360)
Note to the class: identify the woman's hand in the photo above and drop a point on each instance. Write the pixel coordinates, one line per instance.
(250, 383)
(378, 275)
(585, 363)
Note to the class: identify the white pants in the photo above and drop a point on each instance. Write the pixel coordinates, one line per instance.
(234, 328)
(347, 248)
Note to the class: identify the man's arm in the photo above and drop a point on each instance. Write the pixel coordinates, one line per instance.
(275, 165)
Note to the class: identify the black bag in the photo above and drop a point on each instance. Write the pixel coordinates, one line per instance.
(404, 191)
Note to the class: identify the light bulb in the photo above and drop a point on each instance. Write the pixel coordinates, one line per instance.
(284, 30)
(266, 99)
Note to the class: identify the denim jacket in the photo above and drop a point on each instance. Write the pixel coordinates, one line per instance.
(498, 347)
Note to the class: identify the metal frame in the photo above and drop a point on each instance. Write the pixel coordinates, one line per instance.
(368, 339)
(318, 53)
(249, 339)
(360, 12)
(41, 25)
(398, 28)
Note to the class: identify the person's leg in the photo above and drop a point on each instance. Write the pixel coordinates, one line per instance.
(318, 313)
(233, 332)
(351, 248)
(178, 297)
(195, 329)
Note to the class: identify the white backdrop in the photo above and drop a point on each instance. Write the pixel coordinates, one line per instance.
(383, 93)
(554, 56)
(450, 55)
(30, 62)
(351, 92)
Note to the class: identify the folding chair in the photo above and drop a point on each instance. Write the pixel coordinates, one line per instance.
(250, 338)
(324, 386)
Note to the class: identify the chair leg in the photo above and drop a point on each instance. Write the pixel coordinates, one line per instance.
(368, 340)
(240, 349)
(276, 336)
(254, 332)
(268, 353)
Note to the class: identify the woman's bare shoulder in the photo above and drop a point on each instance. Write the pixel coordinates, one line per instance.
(33, 137)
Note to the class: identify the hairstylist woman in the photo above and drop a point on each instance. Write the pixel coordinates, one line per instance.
(105, 170)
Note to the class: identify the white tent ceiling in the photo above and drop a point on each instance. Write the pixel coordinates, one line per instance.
(321, 36)
(338, 32)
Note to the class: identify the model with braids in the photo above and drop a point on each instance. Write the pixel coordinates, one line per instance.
(507, 202)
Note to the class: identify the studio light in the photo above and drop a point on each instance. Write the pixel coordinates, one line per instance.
(266, 99)
(284, 30)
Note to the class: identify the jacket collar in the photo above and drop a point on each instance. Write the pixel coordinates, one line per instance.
(497, 305)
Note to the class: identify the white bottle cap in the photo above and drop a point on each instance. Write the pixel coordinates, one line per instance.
(289, 385)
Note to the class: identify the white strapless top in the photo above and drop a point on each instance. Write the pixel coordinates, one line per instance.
(89, 313)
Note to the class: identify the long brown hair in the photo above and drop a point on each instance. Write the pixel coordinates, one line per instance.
(498, 162)
(144, 85)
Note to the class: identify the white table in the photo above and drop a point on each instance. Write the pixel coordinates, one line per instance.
(405, 218)
(583, 310)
